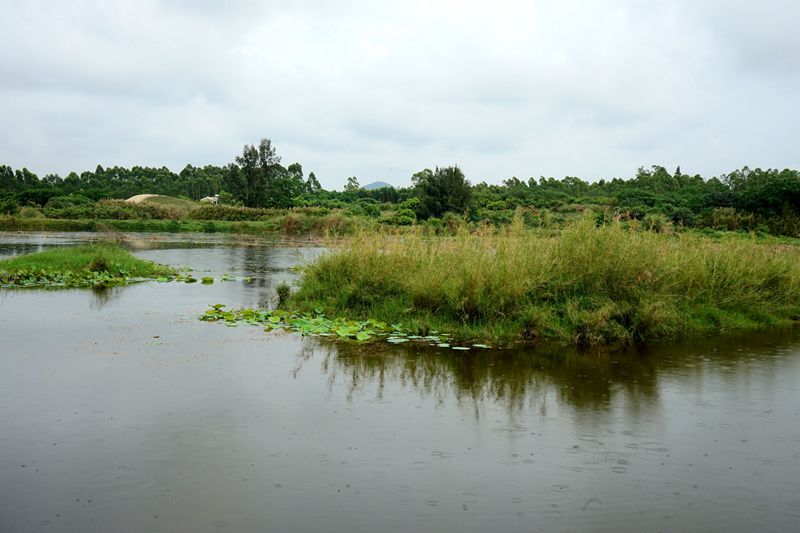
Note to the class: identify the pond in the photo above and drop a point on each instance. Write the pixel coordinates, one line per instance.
(119, 410)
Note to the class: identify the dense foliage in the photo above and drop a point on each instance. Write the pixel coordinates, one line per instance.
(745, 199)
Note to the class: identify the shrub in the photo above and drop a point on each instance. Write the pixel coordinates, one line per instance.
(730, 219)
(70, 200)
(29, 212)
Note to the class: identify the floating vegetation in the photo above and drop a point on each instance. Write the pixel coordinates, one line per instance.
(318, 324)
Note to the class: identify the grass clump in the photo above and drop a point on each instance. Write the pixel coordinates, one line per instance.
(86, 265)
(586, 285)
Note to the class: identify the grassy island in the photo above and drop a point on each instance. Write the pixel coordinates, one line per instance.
(87, 265)
(586, 284)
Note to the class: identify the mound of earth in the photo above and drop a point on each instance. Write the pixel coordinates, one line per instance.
(139, 198)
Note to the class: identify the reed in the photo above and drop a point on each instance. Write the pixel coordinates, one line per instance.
(586, 285)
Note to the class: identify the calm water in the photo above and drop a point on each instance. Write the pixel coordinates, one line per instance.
(119, 411)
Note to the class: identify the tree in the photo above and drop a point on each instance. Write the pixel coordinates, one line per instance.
(444, 190)
(249, 178)
(283, 187)
(312, 184)
(295, 170)
(352, 184)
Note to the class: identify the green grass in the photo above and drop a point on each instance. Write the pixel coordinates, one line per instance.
(86, 265)
(287, 224)
(585, 285)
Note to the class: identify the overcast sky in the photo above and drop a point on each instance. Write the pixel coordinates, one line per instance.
(380, 90)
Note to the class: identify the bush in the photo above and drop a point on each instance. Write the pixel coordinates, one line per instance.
(730, 219)
(230, 213)
(402, 217)
(453, 222)
(656, 222)
(8, 205)
(30, 212)
(70, 200)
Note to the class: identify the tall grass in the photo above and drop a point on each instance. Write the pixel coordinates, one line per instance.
(586, 284)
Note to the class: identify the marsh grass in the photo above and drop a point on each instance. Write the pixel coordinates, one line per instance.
(87, 265)
(587, 285)
(289, 224)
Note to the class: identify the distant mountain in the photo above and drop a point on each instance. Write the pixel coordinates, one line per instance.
(376, 185)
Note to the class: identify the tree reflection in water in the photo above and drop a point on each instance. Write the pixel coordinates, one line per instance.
(591, 382)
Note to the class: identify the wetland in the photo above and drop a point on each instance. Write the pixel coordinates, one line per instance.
(118, 406)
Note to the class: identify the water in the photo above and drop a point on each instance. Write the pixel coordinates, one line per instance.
(119, 411)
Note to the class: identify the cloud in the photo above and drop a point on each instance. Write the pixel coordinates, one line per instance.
(381, 90)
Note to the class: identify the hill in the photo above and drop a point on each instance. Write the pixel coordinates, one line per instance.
(376, 185)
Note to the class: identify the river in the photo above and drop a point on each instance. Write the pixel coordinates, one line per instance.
(120, 411)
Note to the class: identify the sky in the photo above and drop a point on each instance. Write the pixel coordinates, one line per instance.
(380, 90)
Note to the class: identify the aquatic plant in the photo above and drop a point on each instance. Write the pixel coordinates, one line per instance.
(317, 324)
(283, 292)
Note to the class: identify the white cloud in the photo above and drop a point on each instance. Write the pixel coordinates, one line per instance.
(380, 90)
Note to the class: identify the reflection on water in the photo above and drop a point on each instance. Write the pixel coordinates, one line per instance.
(518, 378)
(103, 295)
(120, 407)
(525, 380)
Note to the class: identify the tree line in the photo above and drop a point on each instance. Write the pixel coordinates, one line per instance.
(742, 199)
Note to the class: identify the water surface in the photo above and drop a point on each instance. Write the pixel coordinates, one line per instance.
(119, 411)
